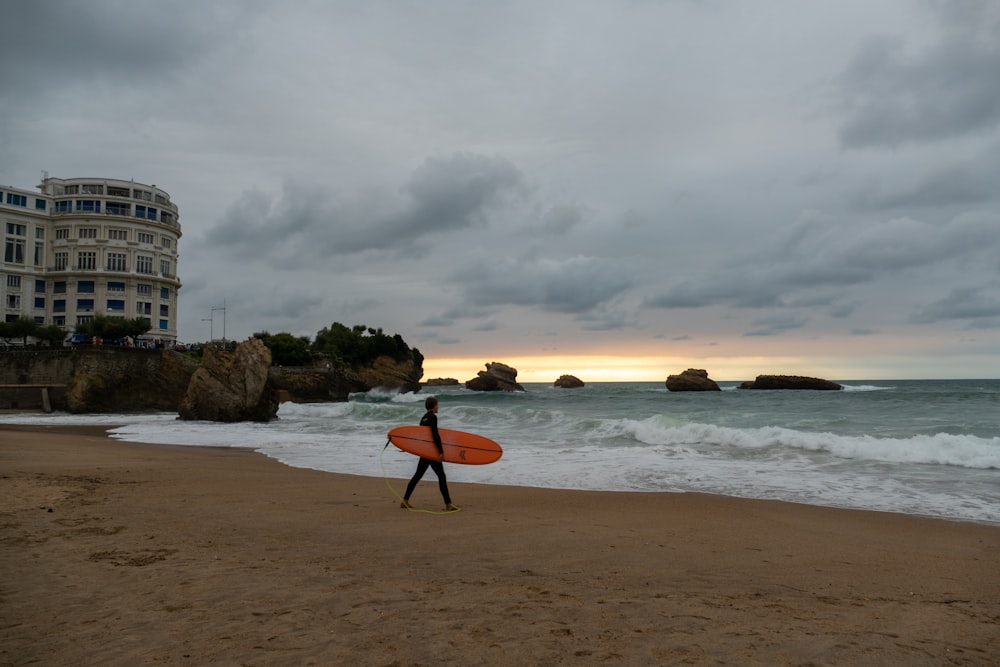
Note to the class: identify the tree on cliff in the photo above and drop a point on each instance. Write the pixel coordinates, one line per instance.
(286, 349)
(113, 328)
(361, 345)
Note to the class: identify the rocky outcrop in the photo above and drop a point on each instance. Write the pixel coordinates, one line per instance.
(496, 377)
(568, 382)
(387, 373)
(109, 381)
(441, 382)
(693, 379)
(790, 382)
(313, 385)
(232, 386)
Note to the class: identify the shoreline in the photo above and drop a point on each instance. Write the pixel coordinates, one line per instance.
(125, 553)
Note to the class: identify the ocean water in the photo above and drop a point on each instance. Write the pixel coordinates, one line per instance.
(917, 447)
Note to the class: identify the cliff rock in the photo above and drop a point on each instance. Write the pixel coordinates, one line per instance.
(496, 377)
(790, 382)
(441, 382)
(313, 385)
(693, 379)
(232, 386)
(387, 373)
(568, 382)
(126, 381)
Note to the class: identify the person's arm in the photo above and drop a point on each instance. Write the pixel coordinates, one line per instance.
(432, 421)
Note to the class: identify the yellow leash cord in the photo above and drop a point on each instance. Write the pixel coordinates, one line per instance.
(409, 508)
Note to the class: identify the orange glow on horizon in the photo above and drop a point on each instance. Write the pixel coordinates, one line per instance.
(606, 368)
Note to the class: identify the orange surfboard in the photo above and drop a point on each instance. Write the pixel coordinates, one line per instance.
(459, 446)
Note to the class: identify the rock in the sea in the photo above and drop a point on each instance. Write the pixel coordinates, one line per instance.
(496, 377)
(568, 382)
(232, 386)
(693, 379)
(790, 382)
(441, 382)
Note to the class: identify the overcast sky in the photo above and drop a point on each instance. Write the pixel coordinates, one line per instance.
(770, 186)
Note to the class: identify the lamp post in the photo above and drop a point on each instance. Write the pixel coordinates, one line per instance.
(223, 309)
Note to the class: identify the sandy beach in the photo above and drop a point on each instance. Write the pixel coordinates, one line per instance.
(114, 553)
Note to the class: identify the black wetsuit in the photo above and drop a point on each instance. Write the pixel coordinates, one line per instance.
(430, 419)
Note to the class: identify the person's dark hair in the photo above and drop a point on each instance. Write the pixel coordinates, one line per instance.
(430, 402)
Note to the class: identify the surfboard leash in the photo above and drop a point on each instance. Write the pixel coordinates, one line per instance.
(392, 490)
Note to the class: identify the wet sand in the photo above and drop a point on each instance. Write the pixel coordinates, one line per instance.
(114, 553)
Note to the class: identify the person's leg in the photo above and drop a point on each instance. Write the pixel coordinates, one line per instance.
(438, 469)
(421, 469)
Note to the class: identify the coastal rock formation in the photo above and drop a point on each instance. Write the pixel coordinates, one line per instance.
(232, 386)
(496, 377)
(125, 381)
(441, 382)
(313, 385)
(790, 382)
(387, 373)
(693, 379)
(568, 382)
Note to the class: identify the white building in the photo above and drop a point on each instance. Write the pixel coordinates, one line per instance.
(82, 246)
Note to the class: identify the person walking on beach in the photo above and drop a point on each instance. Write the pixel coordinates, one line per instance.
(437, 465)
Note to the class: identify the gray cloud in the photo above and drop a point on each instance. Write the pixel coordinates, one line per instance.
(308, 223)
(980, 304)
(939, 91)
(573, 285)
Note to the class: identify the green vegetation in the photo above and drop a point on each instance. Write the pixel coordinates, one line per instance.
(286, 349)
(356, 346)
(113, 328)
(25, 327)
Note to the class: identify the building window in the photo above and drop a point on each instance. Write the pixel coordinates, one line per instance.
(144, 264)
(147, 212)
(88, 205)
(85, 305)
(164, 310)
(62, 261)
(72, 190)
(163, 325)
(165, 269)
(39, 233)
(88, 232)
(14, 301)
(145, 238)
(40, 287)
(14, 251)
(62, 233)
(145, 195)
(16, 230)
(93, 189)
(116, 307)
(65, 206)
(116, 287)
(59, 321)
(59, 305)
(116, 208)
(40, 302)
(118, 234)
(85, 286)
(164, 292)
(167, 218)
(143, 308)
(59, 287)
(86, 260)
(39, 254)
(165, 242)
(144, 289)
(117, 262)
(117, 192)
(40, 204)
(17, 200)
(13, 282)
